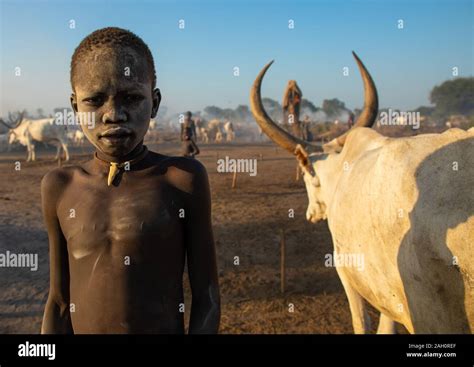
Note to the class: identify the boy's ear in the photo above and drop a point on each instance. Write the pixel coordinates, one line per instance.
(156, 102)
(73, 100)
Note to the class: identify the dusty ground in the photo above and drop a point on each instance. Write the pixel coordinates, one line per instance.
(247, 223)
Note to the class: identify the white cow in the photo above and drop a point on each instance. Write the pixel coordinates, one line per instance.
(152, 134)
(71, 135)
(229, 131)
(46, 130)
(214, 129)
(77, 137)
(218, 138)
(403, 208)
(153, 125)
(203, 133)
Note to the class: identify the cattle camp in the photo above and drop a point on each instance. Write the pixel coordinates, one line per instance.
(154, 184)
(247, 212)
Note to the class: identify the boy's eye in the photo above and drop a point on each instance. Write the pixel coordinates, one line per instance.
(131, 98)
(95, 101)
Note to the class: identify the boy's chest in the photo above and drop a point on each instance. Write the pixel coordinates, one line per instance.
(126, 219)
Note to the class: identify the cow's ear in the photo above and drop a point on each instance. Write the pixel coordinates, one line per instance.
(73, 100)
(303, 157)
(332, 147)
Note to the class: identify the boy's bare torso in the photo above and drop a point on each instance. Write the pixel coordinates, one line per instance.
(125, 244)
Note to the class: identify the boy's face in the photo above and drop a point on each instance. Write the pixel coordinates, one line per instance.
(115, 86)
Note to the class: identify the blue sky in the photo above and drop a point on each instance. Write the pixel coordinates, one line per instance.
(195, 64)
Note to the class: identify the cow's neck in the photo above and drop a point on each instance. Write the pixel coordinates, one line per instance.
(329, 171)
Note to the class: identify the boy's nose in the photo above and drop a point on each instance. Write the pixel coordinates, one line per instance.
(114, 114)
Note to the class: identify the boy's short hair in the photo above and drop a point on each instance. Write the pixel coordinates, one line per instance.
(112, 37)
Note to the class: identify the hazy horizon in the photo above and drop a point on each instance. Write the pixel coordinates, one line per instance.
(195, 65)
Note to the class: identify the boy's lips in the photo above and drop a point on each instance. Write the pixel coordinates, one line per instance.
(116, 132)
(115, 135)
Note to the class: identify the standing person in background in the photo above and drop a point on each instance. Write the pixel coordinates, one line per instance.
(189, 147)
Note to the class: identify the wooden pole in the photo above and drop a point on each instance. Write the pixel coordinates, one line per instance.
(282, 262)
(234, 180)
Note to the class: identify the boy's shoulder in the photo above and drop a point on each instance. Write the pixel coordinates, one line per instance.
(54, 182)
(188, 165)
(58, 176)
(185, 173)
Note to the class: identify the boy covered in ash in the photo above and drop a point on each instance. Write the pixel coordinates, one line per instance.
(121, 225)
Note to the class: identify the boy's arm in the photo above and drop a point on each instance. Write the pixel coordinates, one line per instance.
(201, 257)
(56, 319)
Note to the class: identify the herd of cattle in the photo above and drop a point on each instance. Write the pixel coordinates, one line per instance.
(406, 205)
(215, 131)
(28, 132)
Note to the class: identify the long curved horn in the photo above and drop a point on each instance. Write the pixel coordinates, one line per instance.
(371, 102)
(270, 128)
(18, 121)
(4, 123)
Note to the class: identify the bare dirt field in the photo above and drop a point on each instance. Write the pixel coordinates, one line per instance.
(247, 223)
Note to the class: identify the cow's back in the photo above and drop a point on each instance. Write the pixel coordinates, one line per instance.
(407, 205)
(47, 130)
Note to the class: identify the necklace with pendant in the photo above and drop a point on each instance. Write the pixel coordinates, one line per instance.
(115, 167)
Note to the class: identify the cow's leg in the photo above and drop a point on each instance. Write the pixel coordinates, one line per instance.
(33, 153)
(65, 150)
(29, 149)
(386, 325)
(360, 316)
(58, 151)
